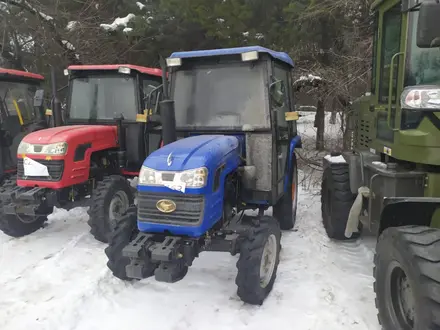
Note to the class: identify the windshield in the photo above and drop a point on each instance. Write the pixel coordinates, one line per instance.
(228, 95)
(424, 63)
(103, 97)
(17, 95)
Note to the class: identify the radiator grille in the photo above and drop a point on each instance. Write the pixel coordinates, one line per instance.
(54, 167)
(189, 208)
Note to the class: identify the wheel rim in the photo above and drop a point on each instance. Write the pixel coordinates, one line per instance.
(118, 206)
(400, 296)
(28, 219)
(268, 260)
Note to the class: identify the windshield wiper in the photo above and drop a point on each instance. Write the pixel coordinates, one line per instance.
(94, 109)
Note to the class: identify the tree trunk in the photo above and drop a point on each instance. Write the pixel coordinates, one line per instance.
(320, 124)
(333, 118)
(325, 43)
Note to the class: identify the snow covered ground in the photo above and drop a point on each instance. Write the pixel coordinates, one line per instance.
(57, 279)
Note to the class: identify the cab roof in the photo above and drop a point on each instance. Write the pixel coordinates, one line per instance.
(406, 4)
(281, 56)
(4, 73)
(141, 69)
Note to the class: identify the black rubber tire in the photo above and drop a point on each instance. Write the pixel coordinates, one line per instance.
(336, 201)
(249, 288)
(102, 195)
(11, 224)
(416, 251)
(119, 238)
(285, 209)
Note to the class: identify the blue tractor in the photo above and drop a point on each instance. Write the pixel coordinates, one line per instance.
(229, 133)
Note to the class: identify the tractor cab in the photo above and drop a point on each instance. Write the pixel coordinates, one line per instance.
(400, 118)
(18, 115)
(115, 95)
(244, 92)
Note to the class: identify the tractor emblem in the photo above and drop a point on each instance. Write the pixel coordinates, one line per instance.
(166, 206)
(170, 159)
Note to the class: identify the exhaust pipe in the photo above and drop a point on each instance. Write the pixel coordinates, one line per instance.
(167, 112)
(56, 104)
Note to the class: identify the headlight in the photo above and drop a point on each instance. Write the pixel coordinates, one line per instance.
(57, 149)
(196, 178)
(426, 97)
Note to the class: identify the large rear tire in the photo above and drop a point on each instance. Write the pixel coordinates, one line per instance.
(110, 200)
(124, 233)
(258, 262)
(407, 278)
(285, 210)
(336, 201)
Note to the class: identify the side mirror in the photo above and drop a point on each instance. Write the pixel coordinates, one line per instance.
(39, 98)
(277, 91)
(428, 26)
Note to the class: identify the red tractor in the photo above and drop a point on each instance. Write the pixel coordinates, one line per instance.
(103, 142)
(18, 115)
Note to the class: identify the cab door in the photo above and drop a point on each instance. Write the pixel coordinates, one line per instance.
(281, 103)
(389, 63)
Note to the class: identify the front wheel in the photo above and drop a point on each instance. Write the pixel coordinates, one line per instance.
(336, 201)
(285, 209)
(258, 262)
(19, 225)
(407, 278)
(110, 200)
(123, 234)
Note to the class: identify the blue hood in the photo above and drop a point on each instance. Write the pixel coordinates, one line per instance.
(192, 152)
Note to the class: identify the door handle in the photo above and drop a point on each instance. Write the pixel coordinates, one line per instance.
(390, 89)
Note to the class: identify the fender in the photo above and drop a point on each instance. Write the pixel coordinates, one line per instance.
(403, 211)
(294, 143)
(82, 140)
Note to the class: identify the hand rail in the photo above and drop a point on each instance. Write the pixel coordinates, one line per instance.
(390, 89)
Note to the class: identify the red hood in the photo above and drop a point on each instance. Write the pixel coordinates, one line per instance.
(68, 133)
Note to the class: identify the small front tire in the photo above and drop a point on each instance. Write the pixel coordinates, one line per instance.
(19, 225)
(258, 262)
(123, 234)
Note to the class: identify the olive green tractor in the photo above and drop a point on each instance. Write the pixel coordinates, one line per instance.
(388, 184)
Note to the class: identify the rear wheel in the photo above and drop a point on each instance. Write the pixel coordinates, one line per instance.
(258, 262)
(407, 278)
(336, 201)
(124, 233)
(285, 210)
(110, 200)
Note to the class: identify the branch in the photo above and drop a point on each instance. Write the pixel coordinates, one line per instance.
(308, 81)
(48, 21)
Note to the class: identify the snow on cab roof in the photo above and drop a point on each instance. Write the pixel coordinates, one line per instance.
(281, 56)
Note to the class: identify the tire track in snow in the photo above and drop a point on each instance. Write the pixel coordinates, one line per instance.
(320, 285)
(42, 268)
